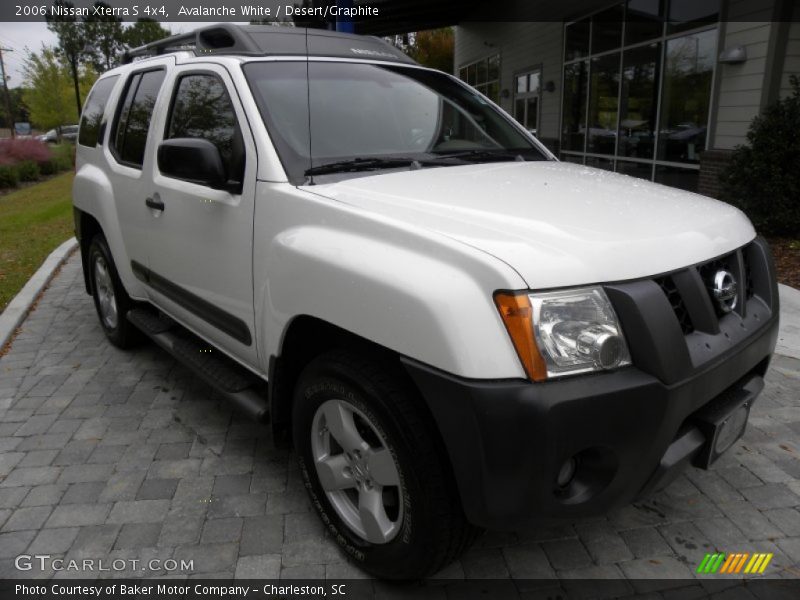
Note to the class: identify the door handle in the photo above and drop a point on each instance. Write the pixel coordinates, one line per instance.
(154, 204)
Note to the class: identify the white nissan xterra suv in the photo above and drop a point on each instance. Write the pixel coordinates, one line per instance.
(456, 330)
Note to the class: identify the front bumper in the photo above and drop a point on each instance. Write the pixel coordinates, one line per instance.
(631, 430)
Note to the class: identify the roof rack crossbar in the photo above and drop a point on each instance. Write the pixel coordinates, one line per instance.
(160, 46)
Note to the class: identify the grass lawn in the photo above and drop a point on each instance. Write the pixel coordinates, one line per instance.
(33, 222)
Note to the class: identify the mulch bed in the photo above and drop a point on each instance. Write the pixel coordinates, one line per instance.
(786, 252)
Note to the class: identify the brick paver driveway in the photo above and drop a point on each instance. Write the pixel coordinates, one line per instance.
(110, 454)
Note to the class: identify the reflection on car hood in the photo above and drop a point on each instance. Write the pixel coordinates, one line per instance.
(557, 224)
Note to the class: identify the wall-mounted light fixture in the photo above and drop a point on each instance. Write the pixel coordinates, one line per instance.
(505, 93)
(550, 86)
(734, 55)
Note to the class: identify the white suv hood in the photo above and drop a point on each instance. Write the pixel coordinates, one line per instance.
(557, 224)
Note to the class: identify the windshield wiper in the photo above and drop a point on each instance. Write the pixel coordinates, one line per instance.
(498, 155)
(361, 164)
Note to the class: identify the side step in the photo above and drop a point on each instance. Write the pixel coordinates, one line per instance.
(238, 385)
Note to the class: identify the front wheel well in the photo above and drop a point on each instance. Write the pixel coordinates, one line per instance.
(305, 339)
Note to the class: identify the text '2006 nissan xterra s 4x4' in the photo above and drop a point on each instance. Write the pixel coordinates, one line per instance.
(455, 330)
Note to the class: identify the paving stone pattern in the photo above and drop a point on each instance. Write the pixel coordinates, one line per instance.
(111, 454)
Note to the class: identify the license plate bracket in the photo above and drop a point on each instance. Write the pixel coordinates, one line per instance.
(724, 420)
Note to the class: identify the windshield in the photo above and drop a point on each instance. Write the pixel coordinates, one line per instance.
(372, 117)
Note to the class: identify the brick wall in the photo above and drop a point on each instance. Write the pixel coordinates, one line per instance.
(712, 162)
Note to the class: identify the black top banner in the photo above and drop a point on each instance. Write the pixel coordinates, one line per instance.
(378, 16)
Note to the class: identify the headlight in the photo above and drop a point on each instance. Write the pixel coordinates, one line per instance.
(564, 332)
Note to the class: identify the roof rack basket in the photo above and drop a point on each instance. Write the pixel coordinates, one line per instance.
(224, 37)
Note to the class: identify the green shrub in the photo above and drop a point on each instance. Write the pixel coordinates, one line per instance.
(27, 170)
(64, 156)
(48, 167)
(763, 177)
(8, 176)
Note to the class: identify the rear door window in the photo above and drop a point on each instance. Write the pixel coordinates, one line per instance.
(133, 121)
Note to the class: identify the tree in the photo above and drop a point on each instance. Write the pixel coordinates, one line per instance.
(143, 32)
(104, 35)
(434, 48)
(48, 95)
(71, 42)
(18, 109)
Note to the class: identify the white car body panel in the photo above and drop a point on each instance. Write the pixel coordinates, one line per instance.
(408, 289)
(557, 224)
(408, 259)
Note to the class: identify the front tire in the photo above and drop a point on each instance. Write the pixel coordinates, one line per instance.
(110, 298)
(371, 465)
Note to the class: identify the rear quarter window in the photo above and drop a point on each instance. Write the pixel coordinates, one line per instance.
(92, 116)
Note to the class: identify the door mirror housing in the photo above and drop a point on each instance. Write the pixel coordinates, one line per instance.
(195, 160)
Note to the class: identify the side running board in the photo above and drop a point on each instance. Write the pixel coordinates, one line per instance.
(235, 383)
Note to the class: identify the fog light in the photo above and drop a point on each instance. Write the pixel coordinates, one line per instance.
(730, 430)
(605, 349)
(567, 472)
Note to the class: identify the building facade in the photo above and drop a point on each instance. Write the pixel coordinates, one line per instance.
(658, 89)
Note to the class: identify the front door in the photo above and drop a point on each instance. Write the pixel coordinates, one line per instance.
(200, 257)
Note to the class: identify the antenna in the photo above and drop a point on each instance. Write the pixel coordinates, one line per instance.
(308, 99)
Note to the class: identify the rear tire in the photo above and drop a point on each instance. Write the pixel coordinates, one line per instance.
(371, 465)
(110, 298)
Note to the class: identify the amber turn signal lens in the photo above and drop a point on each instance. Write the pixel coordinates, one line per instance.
(517, 314)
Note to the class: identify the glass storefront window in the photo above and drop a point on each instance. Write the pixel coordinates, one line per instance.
(635, 169)
(494, 67)
(577, 40)
(685, 179)
(472, 74)
(688, 14)
(637, 88)
(573, 119)
(571, 158)
(600, 163)
(484, 76)
(483, 71)
(603, 104)
(645, 20)
(607, 30)
(688, 73)
(639, 99)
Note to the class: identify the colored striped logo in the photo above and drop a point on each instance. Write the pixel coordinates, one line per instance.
(741, 562)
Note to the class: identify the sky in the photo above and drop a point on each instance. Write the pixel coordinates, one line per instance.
(17, 36)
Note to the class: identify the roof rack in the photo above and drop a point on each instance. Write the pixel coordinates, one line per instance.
(269, 40)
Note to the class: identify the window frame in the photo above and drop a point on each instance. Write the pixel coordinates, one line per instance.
(176, 84)
(663, 38)
(527, 72)
(112, 146)
(484, 59)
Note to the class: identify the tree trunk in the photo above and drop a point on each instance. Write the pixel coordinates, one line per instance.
(74, 67)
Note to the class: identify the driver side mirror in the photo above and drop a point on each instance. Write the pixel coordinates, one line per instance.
(195, 160)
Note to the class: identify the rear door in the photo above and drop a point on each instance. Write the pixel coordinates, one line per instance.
(130, 156)
(199, 252)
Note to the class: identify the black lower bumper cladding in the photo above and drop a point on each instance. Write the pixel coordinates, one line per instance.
(624, 433)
